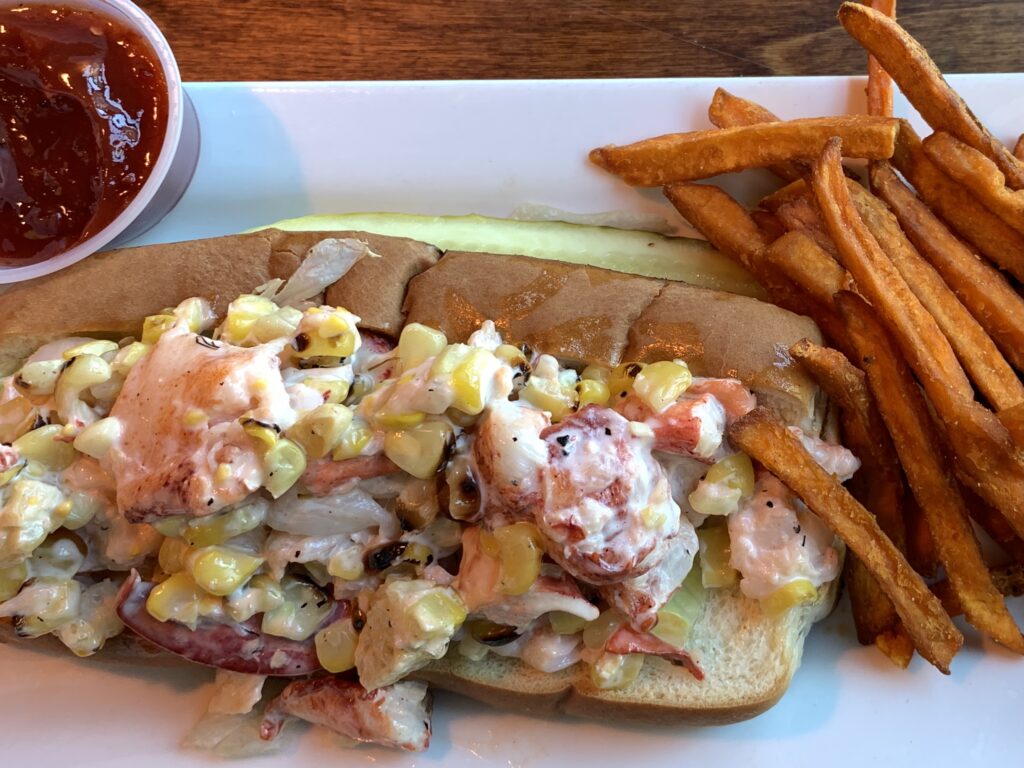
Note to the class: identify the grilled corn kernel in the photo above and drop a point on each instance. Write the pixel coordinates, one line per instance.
(332, 390)
(128, 356)
(326, 332)
(549, 395)
(155, 326)
(520, 548)
(595, 373)
(260, 595)
(79, 374)
(438, 612)
(176, 598)
(304, 609)
(220, 571)
(242, 315)
(319, 431)
(448, 359)
(419, 450)
(82, 508)
(469, 381)
(59, 557)
(96, 439)
(347, 564)
(621, 379)
(715, 556)
(44, 445)
(277, 325)
(173, 555)
(590, 392)
(44, 605)
(725, 485)
(353, 440)
(11, 580)
(597, 632)
(96, 347)
(417, 505)
(268, 434)
(171, 526)
(387, 420)
(197, 314)
(660, 384)
(681, 611)
(194, 418)
(418, 343)
(39, 378)
(283, 464)
(613, 671)
(31, 512)
(336, 646)
(216, 529)
(794, 593)
(563, 623)
(512, 355)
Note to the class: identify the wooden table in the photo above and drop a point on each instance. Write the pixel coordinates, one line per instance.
(452, 39)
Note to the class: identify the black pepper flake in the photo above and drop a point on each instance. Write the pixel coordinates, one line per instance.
(608, 431)
(633, 369)
(209, 502)
(796, 528)
(321, 603)
(804, 542)
(303, 605)
(298, 552)
(515, 439)
(771, 505)
(562, 440)
(301, 342)
(515, 483)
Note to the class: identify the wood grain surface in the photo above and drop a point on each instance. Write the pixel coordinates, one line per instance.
(456, 39)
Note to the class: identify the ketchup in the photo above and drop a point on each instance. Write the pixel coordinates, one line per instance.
(83, 113)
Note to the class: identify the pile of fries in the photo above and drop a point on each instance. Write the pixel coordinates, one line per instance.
(914, 282)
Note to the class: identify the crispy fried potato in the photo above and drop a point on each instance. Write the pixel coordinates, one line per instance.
(729, 111)
(987, 459)
(982, 289)
(1013, 420)
(769, 224)
(767, 440)
(995, 525)
(1009, 579)
(1018, 148)
(923, 84)
(920, 545)
(697, 155)
(995, 239)
(879, 89)
(799, 258)
(975, 349)
(979, 175)
(800, 214)
(919, 446)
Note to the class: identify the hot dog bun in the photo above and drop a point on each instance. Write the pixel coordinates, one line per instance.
(578, 313)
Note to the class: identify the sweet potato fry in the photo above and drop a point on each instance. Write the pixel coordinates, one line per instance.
(1009, 579)
(799, 258)
(800, 214)
(979, 175)
(995, 239)
(982, 289)
(702, 154)
(987, 459)
(919, 446)
(767, 440)
(879, 90)
(975, 349)
(923, 84)
(729, 111)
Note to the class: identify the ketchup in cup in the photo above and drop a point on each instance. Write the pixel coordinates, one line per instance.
(83, 114)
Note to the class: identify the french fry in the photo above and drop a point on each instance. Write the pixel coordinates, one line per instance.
(975, 349)
(1018, 148)
(979, 175)
(995, 239)
(762, 436)
(729, 111)
(800, 214)
(879, 90)
(679, 157)
(799, 258)
(1009, 579)
(923, 84)
(920, 545)
(982, 289)
(987, 459)
(1013, 420)
(995, 525)
(919, 446)
(769, 224)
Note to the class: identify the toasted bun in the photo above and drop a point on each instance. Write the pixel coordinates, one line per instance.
(577, 313)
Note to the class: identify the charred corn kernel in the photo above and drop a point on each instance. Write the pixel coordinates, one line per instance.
(399, 420)
(216, 529)
(447, 360)
(464, 497)
(511, 355)
(798, 592)
(265, 433)
(31, 512)
(283, 465)
(520, 549)
(715, 556)
(43, 605)
(39, 378)
(417, 504)
(196, 313)
(418, 343)
(332, 390)
(660, 384)
(419, 450)
(319, 430)
(155, 326)
(725, 485)
(613, 671)
(595, 373)
(597, 632)
(347, 564)
(303, 611)
(563, 623)
(326, 332)
(11, 580)
(96, 347)
(128, 356)
(242, 315)
(336, 646)
(59, 557)
(353, 440)
(220, 571)
(439, 611)
(549, 395)
(681, 611)
(653, 516)
(96, 439)
(260, 595)
(176, 599)
(171, 526)
(79, 374)
(470, 381)
(173, 555)
(44, 445)
(590, 392)
(277, 325)
(82, 508)
(621, 379)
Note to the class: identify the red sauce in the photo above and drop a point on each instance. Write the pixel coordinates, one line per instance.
(83, 113)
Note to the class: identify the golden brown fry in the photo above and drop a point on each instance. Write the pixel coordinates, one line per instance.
(801, 215)
(920, 545)
(995, 239)
(982, 289)
(1013, 420)
(921, 81)
(995, 525)
(879, 90)
(728, 111)
(919, 446)
(987, 459)
(979, 175)
(767, 440)
(799, 258)
(1018, 148)
(975, 349)
(769, 224)
(1009, 579)
(697, 155)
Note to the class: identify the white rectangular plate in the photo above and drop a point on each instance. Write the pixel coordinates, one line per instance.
(272, 151)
